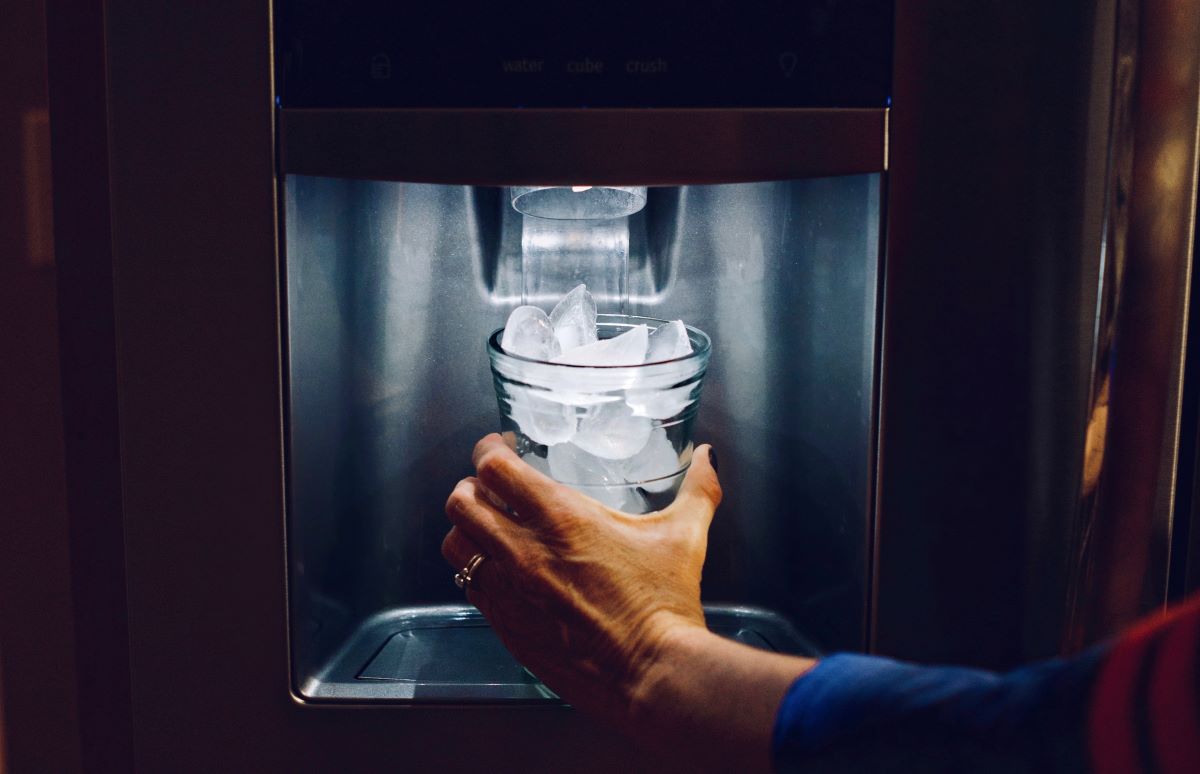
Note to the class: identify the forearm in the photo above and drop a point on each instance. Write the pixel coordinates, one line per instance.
(711, 700)
(864, 713)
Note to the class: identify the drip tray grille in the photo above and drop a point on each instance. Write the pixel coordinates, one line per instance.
(465, 653)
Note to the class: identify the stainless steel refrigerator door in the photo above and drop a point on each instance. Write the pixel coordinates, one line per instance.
(195, 238)
(192, 202)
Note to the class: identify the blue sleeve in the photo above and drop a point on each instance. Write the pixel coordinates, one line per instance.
(864, 713)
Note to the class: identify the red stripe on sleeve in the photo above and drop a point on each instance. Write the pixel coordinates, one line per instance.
(1174, 713)
(1112, 736)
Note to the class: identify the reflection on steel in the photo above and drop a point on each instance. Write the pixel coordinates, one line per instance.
(392, 290)
(1122, 546)
(997, 160)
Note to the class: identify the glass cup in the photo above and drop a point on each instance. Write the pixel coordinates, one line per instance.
(620, 434)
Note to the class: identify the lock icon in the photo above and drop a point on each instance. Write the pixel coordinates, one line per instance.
(381, 67)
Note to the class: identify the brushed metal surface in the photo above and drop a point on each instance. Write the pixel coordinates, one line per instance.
(1038, 248)
(96, 648)
(392, 290)
(1124, 557)
(996, 203)
(577, 147)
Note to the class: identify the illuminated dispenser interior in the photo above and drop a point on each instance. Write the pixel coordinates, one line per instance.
(391, 291)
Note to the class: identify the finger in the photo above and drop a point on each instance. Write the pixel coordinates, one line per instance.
(458, 548)
(458, 551)
(700, 493)
(492, 497)
(529, 493)
(469, 509)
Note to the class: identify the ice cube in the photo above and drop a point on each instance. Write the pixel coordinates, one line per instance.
(625, 350)
(572, 465)
(652, 467)
(595, 477)
(568, 395)
(668, 342)
(542, 420)
(612, 432)
(659, 404)
(528, 333)
(574, 319)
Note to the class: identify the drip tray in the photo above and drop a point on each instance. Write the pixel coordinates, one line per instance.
(452, 657)
(448, 653)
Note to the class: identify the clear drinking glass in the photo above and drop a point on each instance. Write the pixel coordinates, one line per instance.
(620, 434)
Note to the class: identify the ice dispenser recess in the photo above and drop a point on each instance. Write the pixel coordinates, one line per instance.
(392, 289)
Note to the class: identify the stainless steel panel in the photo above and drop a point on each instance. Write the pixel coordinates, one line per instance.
(1123, 561)
(999, 141)
(783, 277)
(595, 146)
(392, 289)
(1002, 391)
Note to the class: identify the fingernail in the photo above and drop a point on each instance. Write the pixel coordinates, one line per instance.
(712, 459)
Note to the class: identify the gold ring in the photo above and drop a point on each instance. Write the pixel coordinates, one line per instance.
(462, 578)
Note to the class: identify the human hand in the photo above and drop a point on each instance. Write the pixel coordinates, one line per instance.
(584, 596)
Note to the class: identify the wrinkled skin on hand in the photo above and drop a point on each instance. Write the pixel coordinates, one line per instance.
(582, 595)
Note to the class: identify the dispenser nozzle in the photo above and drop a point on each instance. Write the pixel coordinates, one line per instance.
(578, 202)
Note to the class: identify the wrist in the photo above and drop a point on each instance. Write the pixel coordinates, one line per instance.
(710, 700)
(663, 671)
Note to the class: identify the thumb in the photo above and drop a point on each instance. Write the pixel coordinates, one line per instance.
(700, 491)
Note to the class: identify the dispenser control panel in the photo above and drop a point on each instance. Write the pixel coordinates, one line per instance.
(532, 53)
